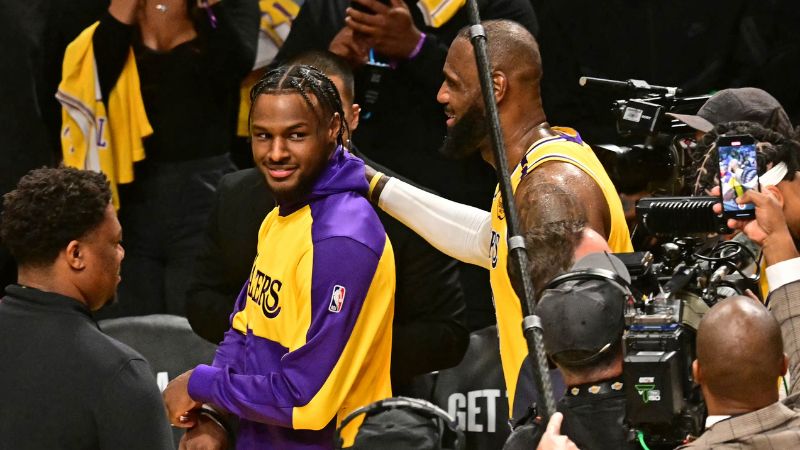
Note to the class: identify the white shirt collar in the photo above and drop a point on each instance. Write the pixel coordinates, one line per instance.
(711, 420)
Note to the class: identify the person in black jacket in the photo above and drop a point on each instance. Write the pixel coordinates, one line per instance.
(64, 384)
(429, 327)
(402, 125)
(191, 61)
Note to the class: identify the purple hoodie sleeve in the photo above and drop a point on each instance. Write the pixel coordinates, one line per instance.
(230, 350)
(342, 273)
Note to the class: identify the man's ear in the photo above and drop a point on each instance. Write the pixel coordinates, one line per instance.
(785, 365)
(776, 192)
(697, 373)
(500, 84)
(73, 255)
(356, 108)
(336, 124)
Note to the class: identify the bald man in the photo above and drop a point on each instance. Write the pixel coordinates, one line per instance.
(552, 154)
(739, 356)
(742, 347)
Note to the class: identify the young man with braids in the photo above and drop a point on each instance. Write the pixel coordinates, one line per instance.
(429, 329)
(310, 335)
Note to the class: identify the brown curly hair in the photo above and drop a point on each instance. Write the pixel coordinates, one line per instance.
(49, 208)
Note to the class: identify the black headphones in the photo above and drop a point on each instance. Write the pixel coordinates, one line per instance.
(594, 274)
(447, 424)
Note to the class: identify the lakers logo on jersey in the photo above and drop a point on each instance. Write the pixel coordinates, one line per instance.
(263, 290)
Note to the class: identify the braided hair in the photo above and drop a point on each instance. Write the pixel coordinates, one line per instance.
(772, 148)
(306, 81)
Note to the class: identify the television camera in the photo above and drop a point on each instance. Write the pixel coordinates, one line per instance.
(653, 153)
(672, 292)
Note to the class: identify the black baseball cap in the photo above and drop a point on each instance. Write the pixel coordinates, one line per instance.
(739, 105)
(584, 319)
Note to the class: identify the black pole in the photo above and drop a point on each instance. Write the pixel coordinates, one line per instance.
(531, 325)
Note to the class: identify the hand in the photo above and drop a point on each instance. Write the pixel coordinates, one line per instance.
(769, 229)
(180, 406)
(352, 48)
(206, 435)
(552, 438)
(389, 30)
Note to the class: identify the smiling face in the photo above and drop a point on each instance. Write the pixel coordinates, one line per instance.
(290, 145)
(460, 94)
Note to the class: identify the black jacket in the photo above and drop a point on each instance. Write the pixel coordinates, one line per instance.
(66, 385)
(593, 421)
(429, 326)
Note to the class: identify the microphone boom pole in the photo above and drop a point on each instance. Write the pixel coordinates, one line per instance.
(531, 324)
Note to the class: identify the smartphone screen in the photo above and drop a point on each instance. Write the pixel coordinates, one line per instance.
(737, 173)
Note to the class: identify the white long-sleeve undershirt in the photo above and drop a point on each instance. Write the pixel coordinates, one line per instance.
(460, 231)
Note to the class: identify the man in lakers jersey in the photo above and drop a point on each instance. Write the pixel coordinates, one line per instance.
(537, 152)
(310, 335)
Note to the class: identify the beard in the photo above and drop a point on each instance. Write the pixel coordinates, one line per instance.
(465, 136)
(291, 195)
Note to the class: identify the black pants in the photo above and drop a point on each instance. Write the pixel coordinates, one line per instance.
(163, 215)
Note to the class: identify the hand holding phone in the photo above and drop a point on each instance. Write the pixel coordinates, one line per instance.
(388, 28)
(355, 4)
(738, 174)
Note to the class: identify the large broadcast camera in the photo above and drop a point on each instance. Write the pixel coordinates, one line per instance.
(672, 293)
(652, 155)
(676, 282)
(688, 269)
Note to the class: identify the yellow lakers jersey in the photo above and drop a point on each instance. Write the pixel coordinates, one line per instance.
(569, 148)
(93, 138)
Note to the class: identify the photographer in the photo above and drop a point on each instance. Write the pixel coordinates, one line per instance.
(740, 352)
(739, 104)
(583, 322)
(778, 166)
(734, 111)
(556, 235)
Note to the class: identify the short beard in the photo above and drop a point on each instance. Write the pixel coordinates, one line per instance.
(465, 136)
(297, 194)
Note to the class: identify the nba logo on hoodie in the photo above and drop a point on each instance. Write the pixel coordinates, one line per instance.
(337, 299)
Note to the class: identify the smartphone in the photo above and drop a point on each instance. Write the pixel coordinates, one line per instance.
(738, 173)
(359, 7)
